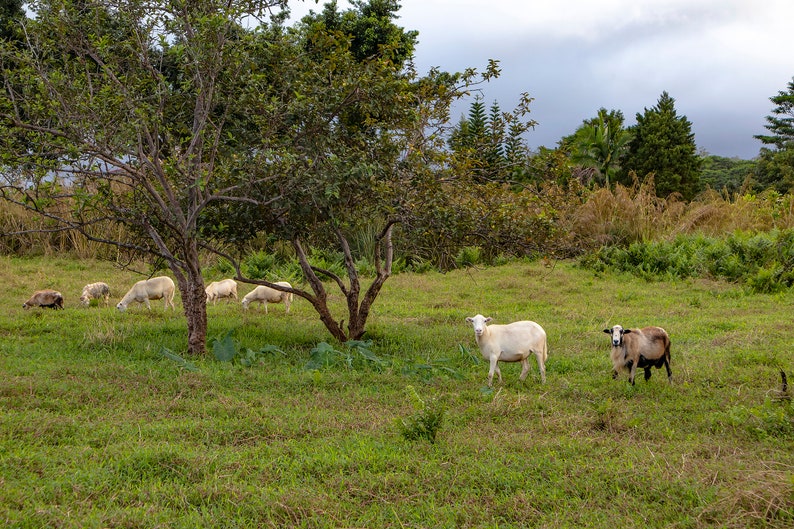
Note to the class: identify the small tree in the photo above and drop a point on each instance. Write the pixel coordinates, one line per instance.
(663, 144)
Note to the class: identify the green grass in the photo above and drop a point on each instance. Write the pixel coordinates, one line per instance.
(99, 429)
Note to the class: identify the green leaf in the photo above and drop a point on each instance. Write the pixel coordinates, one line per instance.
(181, 362)
(225, 348)
(323, 356)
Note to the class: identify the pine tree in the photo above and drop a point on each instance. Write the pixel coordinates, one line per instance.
(775, 167)
(663, 144)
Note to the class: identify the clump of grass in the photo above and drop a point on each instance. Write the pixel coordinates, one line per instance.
(425, 422)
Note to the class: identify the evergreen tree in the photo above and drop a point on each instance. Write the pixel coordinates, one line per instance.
(776, 163)
(489, 146)
(663, 144)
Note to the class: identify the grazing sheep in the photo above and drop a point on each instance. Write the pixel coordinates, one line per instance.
(95, 291)
(154, 288)
(265, 295)
(510, 343)
(45, 298)
(644, 348)
(226, 288)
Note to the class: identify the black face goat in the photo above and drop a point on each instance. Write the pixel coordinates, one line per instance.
(639, 348)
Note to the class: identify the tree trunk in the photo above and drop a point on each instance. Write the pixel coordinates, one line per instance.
(194, 302)
(320, 297)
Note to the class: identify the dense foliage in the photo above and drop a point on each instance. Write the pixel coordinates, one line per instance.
(762, 261)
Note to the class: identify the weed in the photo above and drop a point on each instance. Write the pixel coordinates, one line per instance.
(425, 422)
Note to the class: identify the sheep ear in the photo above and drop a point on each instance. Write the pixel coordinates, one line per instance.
(488, 319)
(469, 320)
(626, 331)
(608, 331)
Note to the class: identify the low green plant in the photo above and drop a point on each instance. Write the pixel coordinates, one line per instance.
(770, 419)
(426, 420)
(357, 355)
(762, 261)
(469, 256)
(226, 349)
(259, 264)
(178, 360)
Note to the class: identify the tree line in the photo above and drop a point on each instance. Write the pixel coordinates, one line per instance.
(174, 129)
(603, 152)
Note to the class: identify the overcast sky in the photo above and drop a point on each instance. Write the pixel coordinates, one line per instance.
(721, 60)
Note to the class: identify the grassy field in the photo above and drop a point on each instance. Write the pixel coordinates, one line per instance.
(100, 429)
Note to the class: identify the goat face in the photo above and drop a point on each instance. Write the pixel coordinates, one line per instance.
(617, 333)
(478, 322)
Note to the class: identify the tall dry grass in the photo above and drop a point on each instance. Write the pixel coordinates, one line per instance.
(24, 233)
(635, 214)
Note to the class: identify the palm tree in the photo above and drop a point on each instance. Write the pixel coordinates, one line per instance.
(599, 143)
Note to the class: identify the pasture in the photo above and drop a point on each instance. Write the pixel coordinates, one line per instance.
(100, 429)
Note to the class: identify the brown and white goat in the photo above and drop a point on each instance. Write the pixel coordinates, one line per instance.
(644, 348)
(45, 298)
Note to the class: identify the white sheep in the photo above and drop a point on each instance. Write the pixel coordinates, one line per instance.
(45, 298)
(154, 288)
(265, 295)
(510, 343)
(95, 291)
(226, 288)
(644, 348)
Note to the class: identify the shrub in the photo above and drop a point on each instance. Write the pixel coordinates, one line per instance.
(468, 256)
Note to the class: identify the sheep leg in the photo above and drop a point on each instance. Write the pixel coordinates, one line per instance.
(669, 373)
(148, 305)
(541, 366)
(647, 373)
(494, 368)
(524, 369)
